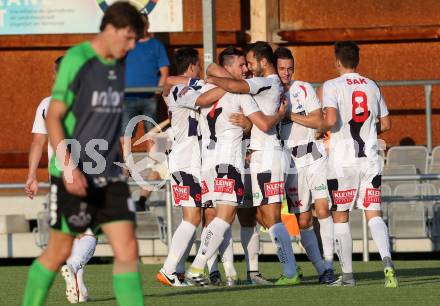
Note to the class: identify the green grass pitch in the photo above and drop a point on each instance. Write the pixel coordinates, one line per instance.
(419, 286)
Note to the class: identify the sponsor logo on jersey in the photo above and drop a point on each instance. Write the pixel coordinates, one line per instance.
(107, 99)
(273, 189)
(205, 188)
(82, 218)
(224, 185)
(112, 75)
(320, 187)
(356, 81)
(372, 195)
(341, 197)
(180, 193)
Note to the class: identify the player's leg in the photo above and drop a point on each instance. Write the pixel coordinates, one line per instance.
(250, 241)
(317, 184)
(187, 194)
(179, 244)
(310, 242)
(211, 240)
(127, 283)
(43, 270)
(268, 183)
(212, 263)
(370, 202)
(82, 251)
(117, 221)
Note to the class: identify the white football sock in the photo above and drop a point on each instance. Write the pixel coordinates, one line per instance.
(212, 262)
(344, 246)
(250, 240)
(181, 238)
(326, 229)
(80, 280)
(310, 244)
(210, 242)
(227, 252)
(379, 232)
(181, 265)
(82, 250)
(281, 239)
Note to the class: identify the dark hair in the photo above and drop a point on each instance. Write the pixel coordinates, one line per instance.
(347, 52)
(262, 49)
(58, 60)
(184, 57)
(121, 15)
(283, 53)
(227, 54)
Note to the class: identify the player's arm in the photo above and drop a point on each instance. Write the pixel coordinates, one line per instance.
(230, 85)
(210, 97)
(216, 70)
(330, 118)
(264, 122)
(242, 121)
(164, 72)
(36, 150)
(383, 125)
(312, 120)
(171, 81)
(77, 183)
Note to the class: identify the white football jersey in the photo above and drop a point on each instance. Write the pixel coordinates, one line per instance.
(39, 126)
(222, 135)
(185, 129)
(359, 103)
(302, 100)
(266, 91)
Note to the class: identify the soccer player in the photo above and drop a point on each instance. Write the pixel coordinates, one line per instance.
(266, 160)
(83, 124)
(84, 245)
(224, 146)
(355, 113)
(185, 157)
(306, 181)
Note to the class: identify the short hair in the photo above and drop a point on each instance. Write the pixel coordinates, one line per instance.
(121, 15)
(184, 57)
(227, 54)
(347, 52)
(262, 49)
(57, 62)
(283, 53)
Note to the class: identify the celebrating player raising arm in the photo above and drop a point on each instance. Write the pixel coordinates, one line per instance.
(353, 105)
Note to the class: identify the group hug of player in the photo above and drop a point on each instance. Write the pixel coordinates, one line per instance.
(249, 136)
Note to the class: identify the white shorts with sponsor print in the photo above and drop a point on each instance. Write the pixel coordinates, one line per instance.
(186, 189)
(228, 184)
(307, 185)
(356, 186)
(267, 177)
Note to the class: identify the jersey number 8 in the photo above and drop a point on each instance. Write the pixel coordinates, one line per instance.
(359, 100)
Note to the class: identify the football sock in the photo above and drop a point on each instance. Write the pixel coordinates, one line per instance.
(227, 252)
(128, 289)
(181, 239)
(344, 246)
(379, 233)
(210, 242)
(38, 283)
(181, 265)
(79, 278)
(310, 244)
(281, 239)
(250, 240)
(326, 230)
(82, 251)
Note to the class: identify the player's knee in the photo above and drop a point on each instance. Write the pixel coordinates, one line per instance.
(305, 222)
(128, 251)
